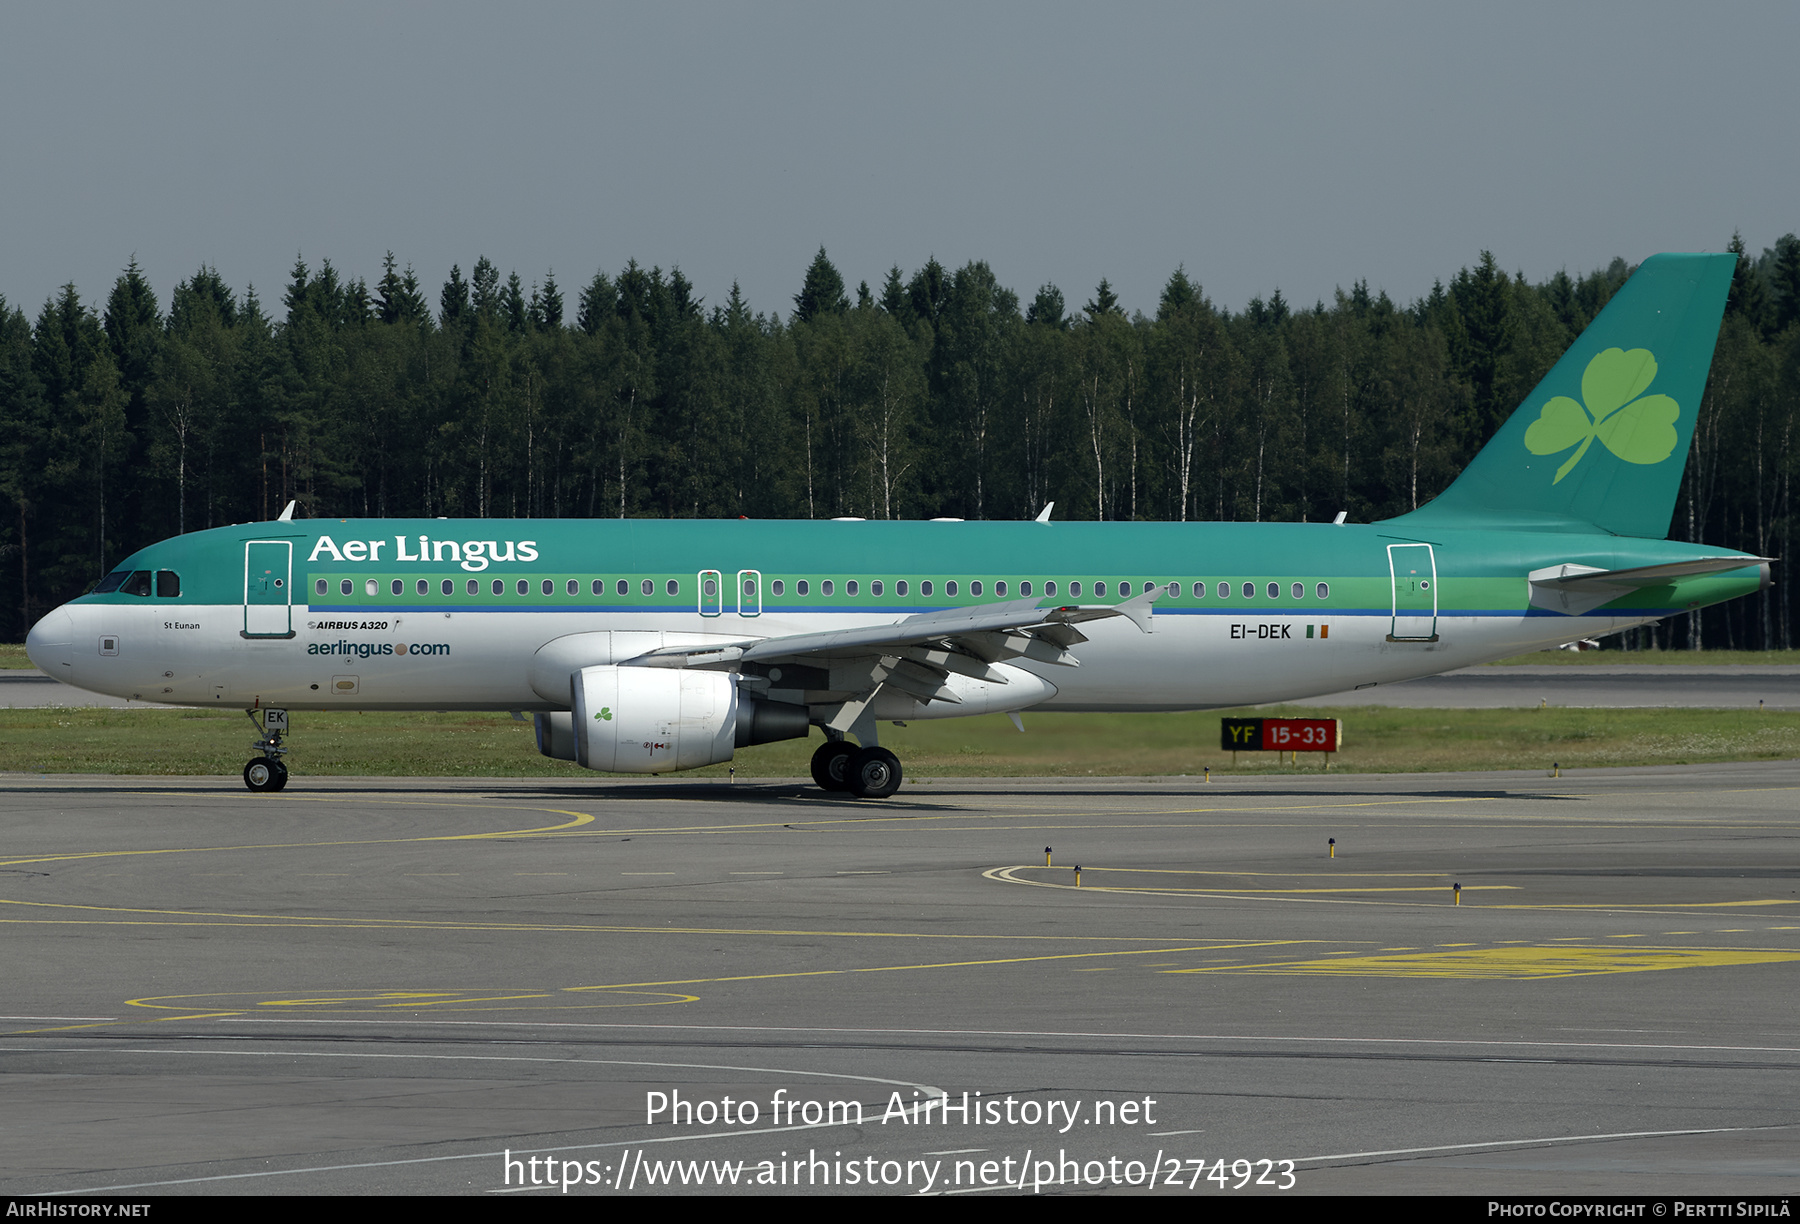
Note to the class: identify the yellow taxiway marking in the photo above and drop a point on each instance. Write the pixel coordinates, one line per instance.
(1060, 820)
(1355, 894)
(1280, 875)
(129, 916)
(1661, 905)
(579, 819)
(1512, 963)
(1246, 805)
(205, 918)
(70, 1028)
(338, 1001)
(539, 999)
(1010, 875)
(1228, 946)
(452, 1000)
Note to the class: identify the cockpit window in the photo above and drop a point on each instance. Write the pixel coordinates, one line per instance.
(138, 583)
(168, 584)
(112, 582)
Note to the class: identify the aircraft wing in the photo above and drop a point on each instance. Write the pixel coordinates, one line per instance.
(917, 655)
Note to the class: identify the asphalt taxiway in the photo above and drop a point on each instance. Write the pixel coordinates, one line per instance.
(438, 986)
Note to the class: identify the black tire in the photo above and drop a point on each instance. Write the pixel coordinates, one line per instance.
(260, 775)
(874, 774)
(831, 765)
(279, 782)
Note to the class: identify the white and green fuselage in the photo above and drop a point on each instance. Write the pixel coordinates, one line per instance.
(647, 646)
(418, 614)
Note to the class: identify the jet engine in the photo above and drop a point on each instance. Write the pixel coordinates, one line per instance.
(652, 720)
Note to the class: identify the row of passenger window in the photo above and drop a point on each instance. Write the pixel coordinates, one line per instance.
(802, 588)
(472, 586)
(1026, 589)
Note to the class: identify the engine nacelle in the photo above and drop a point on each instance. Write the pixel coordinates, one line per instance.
(659, 720)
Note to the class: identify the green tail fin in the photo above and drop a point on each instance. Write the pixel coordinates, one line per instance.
(1603, 439)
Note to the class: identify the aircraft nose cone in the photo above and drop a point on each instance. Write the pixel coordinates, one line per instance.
(48, 643)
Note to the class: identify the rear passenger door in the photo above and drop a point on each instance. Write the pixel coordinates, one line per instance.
(1413, 568)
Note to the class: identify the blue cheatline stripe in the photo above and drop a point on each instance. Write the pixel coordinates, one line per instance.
(1296, 611)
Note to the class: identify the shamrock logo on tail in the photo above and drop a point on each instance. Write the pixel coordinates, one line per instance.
(1636, 430)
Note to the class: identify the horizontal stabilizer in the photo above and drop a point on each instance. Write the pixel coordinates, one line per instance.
(1575, 589)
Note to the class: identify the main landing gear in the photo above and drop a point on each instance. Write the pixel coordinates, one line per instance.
(867, 773)
(267, 772)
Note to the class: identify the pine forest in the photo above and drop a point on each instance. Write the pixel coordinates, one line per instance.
(939, 393)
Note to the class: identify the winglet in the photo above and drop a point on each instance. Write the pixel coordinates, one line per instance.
(1138, 607)
(1045, 516)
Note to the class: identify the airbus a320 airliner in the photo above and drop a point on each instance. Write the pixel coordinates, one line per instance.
(647, 647)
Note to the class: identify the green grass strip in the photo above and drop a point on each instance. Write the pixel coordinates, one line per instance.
(203, 742)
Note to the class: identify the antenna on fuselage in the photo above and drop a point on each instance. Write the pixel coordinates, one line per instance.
(1045, 516)
(287, 515)
(1339, 520)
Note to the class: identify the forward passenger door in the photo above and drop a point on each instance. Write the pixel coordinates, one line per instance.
(268, 588)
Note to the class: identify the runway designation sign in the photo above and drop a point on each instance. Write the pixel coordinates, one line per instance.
(1280, 734)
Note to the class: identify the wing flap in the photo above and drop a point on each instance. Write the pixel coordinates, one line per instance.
(983, 634)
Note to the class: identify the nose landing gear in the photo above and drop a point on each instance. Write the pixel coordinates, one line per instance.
(267, 772)
(265, 775)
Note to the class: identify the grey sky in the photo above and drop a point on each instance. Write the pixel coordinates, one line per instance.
(1303, 146)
